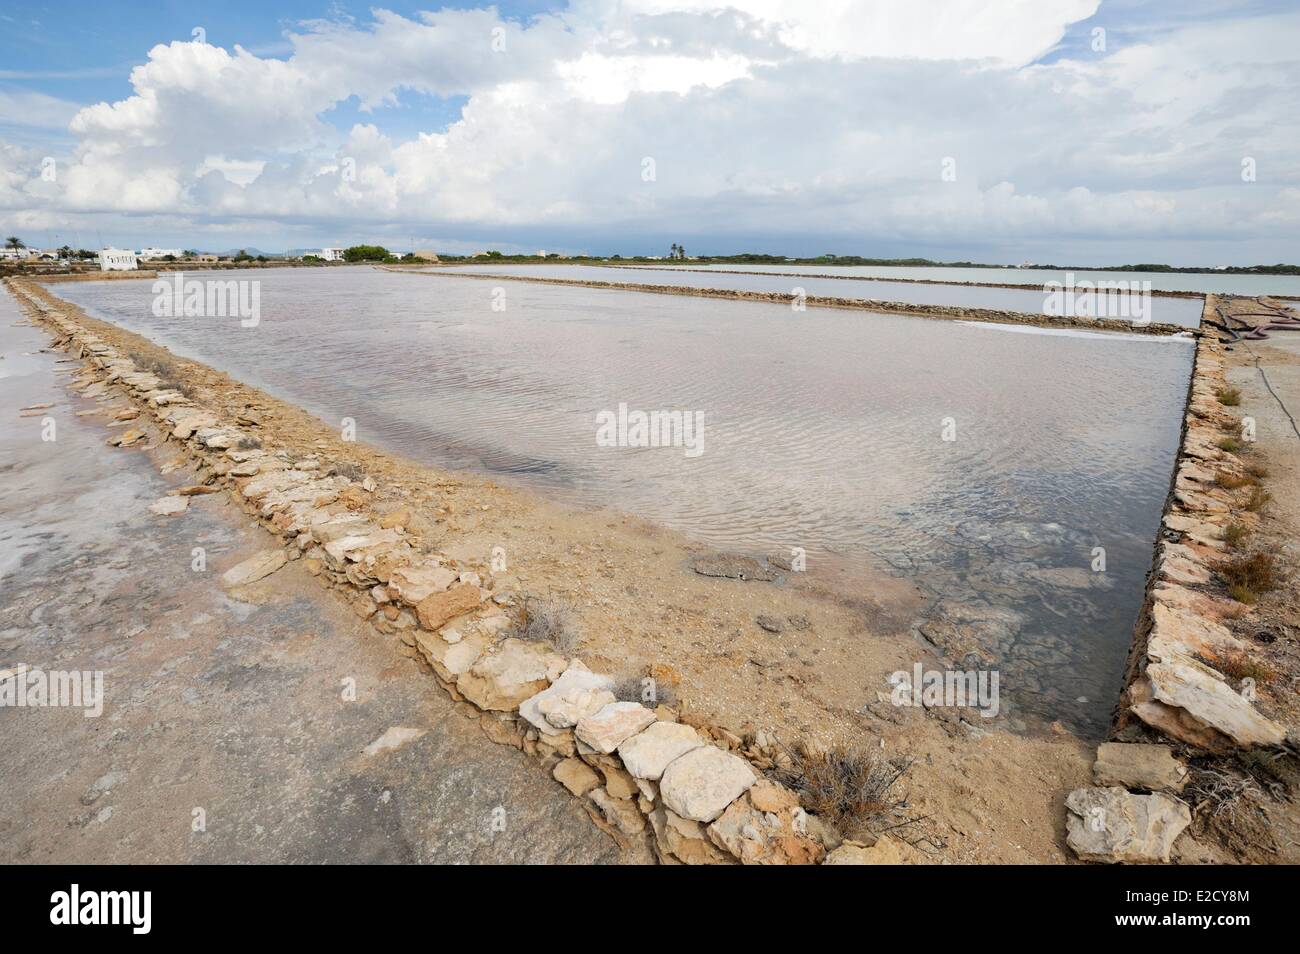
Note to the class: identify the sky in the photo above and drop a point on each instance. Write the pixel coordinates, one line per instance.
(1064, 131)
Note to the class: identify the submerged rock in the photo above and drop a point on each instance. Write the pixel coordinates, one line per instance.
(732, 567)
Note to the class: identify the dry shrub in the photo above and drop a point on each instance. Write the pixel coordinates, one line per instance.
(852, 788)
(349, 470)
(1250, 575)
(1237, 664)
(1258, 498)
(1234, 534)
(1228, 796)
(1232, 481)
(632, 689)
(249, 443)
(1258, 471)
(547, 620)
(1230, 397)
(1229, 444)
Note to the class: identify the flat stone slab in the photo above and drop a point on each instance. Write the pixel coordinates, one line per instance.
(254, 568)
(1137, 765)
(702, 783)
(647, 754)
(393, 738)
(170, 506)
(1112, 825)
(1213, 702)
(605, 729)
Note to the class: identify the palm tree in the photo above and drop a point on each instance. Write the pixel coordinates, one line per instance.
(681, 252)
(14, 242)
(672, 251)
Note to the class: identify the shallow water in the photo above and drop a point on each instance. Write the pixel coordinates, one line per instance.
(822, 430)
(1175, 311)
(1201, 283)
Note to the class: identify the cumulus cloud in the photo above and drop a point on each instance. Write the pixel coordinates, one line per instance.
(904, 120)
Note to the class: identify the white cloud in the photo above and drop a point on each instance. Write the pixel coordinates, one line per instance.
(763, 118)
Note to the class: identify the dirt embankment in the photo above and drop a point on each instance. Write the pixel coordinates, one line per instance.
(938, 312)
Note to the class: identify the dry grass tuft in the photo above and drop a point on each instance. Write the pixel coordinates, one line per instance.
(1229, 444)
(1250, 575)
(1258, 498)
(851, 788)
(1229, 397)
(547, 620)
(1239, 665)
(1233, 481)
(1234, 534)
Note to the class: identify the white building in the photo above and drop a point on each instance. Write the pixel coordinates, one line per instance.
(116, 260)
(149, 254)
(13, 254)
(332, 254)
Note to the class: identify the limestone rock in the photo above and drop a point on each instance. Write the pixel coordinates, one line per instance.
(732, 567)
(1212, 702)
(414, 584)
(1185, 637)
(1110, 824)
(577, 776)
(886, 851)
(254, 568)
(766, 826)
(1136, 765)
(702, 783)
(450, 660)
(393, 738)
(577, 693)
(684, 840)
(501, 679)
(648, 753)
(605, 729)
(619, 813)
(170, 506)
(437, 610)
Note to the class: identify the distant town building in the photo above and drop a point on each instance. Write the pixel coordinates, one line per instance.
(13, 254)
(426, 256)
(332, 254)
(116, 260)
(150, 254)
